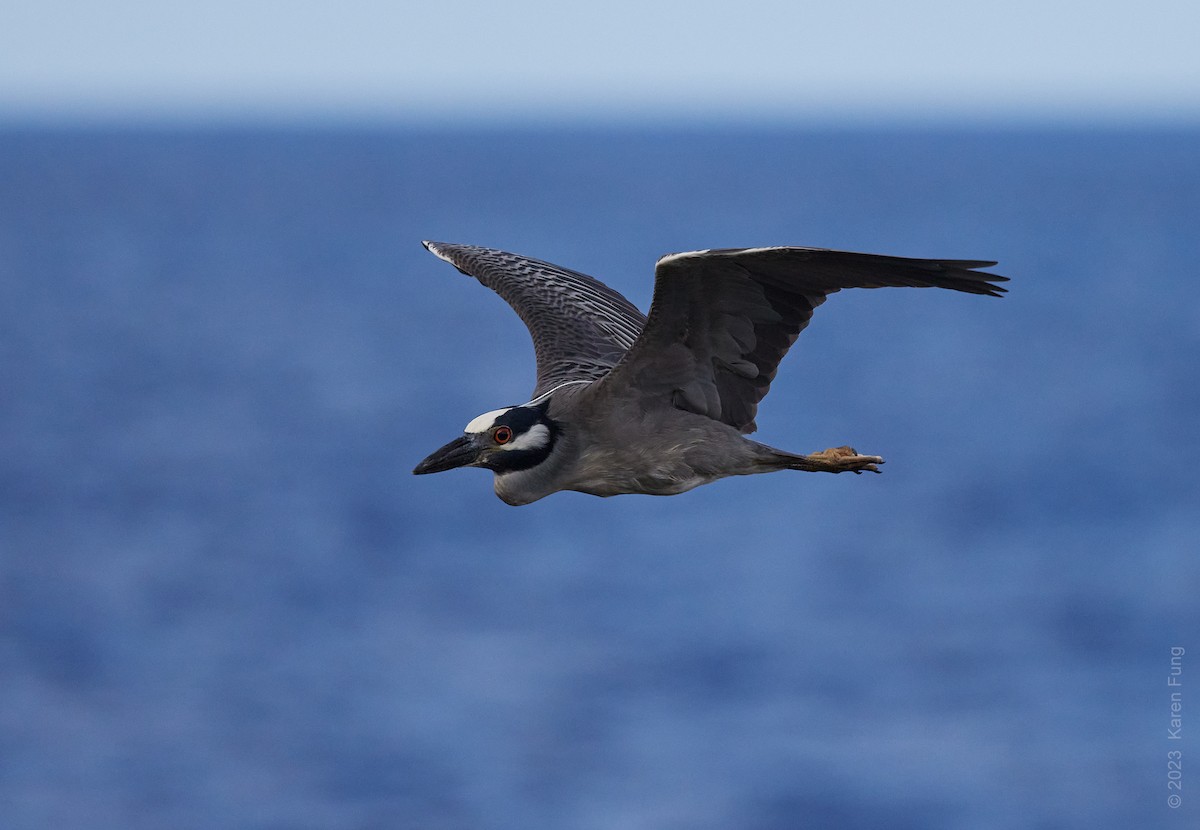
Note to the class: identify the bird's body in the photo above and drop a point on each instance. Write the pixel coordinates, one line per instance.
(659, 405)
(656, 451)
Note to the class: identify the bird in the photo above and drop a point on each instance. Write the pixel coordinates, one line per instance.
(626, 403)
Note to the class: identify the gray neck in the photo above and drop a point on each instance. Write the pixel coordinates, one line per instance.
(556, 472)
(525, 486)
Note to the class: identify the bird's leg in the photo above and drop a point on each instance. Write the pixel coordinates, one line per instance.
(844, 459)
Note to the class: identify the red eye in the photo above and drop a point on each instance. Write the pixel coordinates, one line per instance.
(502, 435)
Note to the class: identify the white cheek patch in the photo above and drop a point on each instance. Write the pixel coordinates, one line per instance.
(484, 422)
(537, 437)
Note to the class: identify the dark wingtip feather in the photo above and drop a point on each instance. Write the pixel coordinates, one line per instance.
(961, 275)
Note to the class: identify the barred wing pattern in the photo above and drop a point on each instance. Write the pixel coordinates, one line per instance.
(721, 320)
(580, 327)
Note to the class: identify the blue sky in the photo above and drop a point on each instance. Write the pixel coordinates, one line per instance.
(470, 59)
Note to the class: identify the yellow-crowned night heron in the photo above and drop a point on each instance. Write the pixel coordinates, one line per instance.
(659, 405)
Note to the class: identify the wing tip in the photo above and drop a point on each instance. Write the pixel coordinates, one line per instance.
(984, 282)
(438, 249)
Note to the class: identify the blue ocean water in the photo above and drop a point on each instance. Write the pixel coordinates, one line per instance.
(226, 602)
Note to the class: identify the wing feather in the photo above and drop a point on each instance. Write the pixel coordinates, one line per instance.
(580, 327)
(722, 320)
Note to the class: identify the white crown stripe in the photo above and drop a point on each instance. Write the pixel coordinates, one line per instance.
(484, 422)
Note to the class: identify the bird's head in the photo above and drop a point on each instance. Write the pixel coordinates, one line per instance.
(504, 440)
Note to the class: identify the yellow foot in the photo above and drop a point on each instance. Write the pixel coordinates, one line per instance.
(845, 459)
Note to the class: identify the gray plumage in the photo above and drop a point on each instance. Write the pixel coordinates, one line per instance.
(629, 404)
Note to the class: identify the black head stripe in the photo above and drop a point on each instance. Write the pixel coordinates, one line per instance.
(522, 418)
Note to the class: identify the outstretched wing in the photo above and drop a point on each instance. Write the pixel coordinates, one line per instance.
(721, 320)
(580, 327)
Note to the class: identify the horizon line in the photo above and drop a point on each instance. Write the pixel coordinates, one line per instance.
(283, 117)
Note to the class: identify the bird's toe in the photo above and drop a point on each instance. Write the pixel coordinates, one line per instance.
(846, 459)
